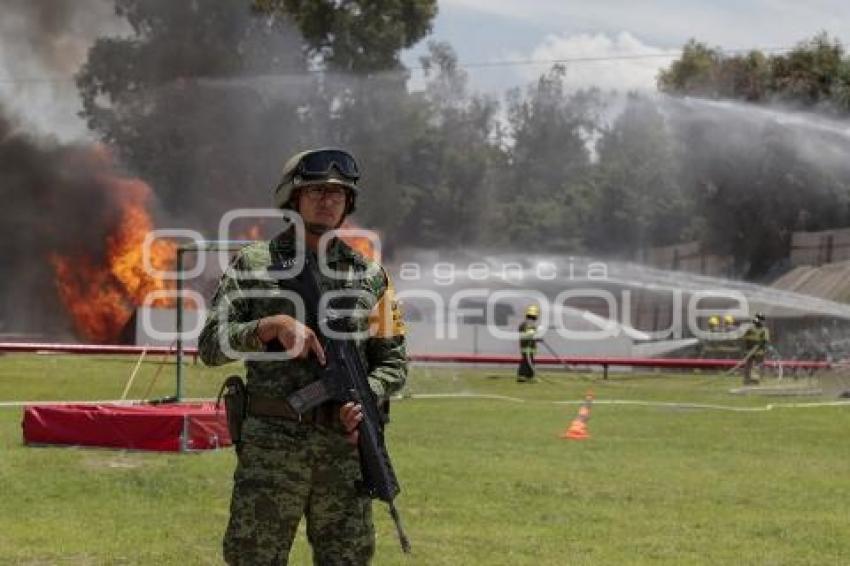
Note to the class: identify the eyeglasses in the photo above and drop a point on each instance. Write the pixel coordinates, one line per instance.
(318, 164)
(333, 194)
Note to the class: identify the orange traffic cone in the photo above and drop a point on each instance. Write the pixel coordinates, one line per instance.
(576, 431)
(578, 427)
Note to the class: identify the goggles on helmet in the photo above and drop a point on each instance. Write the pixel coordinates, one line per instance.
(318, 165)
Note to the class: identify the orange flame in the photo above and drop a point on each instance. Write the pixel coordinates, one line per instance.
(91, 295)
(254, 232)
(362, 244)
(101, 296)
(125, 247)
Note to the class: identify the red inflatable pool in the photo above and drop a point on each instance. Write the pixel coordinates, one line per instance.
(173, 427)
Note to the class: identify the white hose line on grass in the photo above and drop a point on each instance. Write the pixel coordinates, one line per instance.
(405, 397)
(768, 407)
(634, 402)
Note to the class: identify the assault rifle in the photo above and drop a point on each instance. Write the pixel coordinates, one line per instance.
(344, 378)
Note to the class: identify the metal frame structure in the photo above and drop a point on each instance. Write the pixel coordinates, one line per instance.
(195, 247)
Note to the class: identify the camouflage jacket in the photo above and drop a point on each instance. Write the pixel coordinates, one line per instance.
(247, 292)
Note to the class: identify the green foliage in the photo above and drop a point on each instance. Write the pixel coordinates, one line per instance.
(814, 73)
(808, 74)
(752, 206)
(547, 126)
(755, 185)
(638, 201)
(453, 157)
(357, 35)
(694, 72)
(205, 99)
(542, 191)
(180, 102)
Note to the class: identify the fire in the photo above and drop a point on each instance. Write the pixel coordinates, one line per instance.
(254, 232)
(125, 247)
(102, 295)
(363, 244)
(90, 294)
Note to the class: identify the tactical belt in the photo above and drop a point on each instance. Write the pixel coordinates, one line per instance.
(324, 415)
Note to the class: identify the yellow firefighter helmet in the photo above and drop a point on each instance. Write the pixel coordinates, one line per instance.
(532, 311)
(713, 321)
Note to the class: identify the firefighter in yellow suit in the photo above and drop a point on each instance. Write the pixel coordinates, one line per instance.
(756, 339)
(528, 344)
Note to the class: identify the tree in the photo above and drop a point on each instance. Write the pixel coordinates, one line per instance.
(814, 73)
(755, 183)
(357, 35)
(454, 158)
(756, 180)
(809, 73)
(745, 77)
(190, 94)
(427, 157)
(205, 99)
(544, 192)
(694, 73)
(637, 200)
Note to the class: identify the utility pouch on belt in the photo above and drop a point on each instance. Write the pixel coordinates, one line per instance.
(235, 397)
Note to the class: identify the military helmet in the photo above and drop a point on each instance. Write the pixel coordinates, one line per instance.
(533, 311)
(729, 320)
(318, 167)
(713, 321)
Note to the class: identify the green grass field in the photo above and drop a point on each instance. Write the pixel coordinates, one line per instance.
(714, 479)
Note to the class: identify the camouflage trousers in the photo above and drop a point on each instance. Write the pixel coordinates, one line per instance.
(287, 470)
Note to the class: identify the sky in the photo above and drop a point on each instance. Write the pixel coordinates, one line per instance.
(485, 34)
(490, 31)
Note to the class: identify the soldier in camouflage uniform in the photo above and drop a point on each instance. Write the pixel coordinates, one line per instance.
(291, 466)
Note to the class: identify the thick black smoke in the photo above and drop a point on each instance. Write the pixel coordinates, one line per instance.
(57, 199)
(225, 99)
